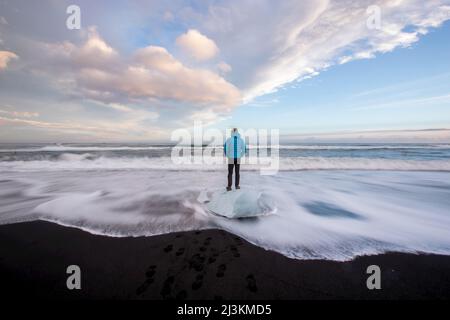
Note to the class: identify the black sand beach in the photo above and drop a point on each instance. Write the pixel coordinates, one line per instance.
(210, 264)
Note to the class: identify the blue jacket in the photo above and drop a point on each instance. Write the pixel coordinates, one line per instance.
(234, 147)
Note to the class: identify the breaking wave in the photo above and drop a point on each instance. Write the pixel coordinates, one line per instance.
(88, 161)
(334, 215)
(330, 201)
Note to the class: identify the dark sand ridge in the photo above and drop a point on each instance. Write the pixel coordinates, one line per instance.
(210, 264)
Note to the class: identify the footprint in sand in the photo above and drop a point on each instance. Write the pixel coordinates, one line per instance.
(149, 273)
(197, 262)
(211, 260)
(179, 252)
(143, 287)
(235, 251)
(167, 287)
(251, 283)
(214, 256)
(221, 271)
(198, 282)
(207, 241)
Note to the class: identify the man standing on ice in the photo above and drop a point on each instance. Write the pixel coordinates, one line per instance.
(234, 149)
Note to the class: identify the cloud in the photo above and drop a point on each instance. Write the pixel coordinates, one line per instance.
(407, 103)
(95, 52)
(264, 103)
(119, 107)
(5, 58)
(439, 135)
(197, 45)
(98, 130)
(268, 45)
(100, 73)
(159, 74)
(134, 125)
(224, 67)
(303, 38)
(20, 114)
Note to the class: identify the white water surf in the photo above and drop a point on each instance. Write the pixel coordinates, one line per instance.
(320, 214)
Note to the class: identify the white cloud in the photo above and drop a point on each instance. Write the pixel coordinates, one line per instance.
(224, 67)
(100, 73)
(93, 53)
(159, 74)
(197, 45)
(303, 38)
(5, 58)
(133, 125)
(20, 114)
(115, 106)
(48, 125)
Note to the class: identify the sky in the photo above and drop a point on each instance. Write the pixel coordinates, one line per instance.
(322, 70)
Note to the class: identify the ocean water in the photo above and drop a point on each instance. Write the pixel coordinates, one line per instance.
(334, 201)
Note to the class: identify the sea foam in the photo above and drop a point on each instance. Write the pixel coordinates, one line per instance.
(88, 161)
(331, 214)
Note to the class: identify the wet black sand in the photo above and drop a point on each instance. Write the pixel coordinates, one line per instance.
(210, 264)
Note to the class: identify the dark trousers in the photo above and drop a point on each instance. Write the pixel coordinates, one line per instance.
(230, 173)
